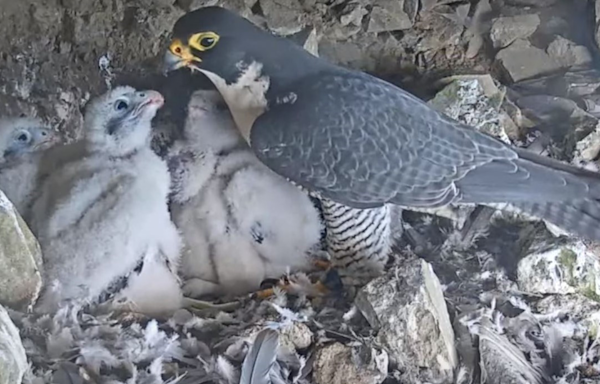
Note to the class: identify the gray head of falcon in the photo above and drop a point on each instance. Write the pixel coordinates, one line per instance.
(249, 66)
(363, 142)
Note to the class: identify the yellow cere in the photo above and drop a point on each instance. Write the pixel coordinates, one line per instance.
(180, 50)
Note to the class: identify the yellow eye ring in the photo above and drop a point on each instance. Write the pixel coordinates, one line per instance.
(204, 41)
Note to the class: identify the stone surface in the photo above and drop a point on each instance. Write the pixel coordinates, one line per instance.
(587, 149)
(13, 361)
(20, 259)
(296, 336)
(407, 308)
(61, 51)
(505, 30)
(597, 34)
(340, 364)
(567, 53)
(523, 61)
(474, 100)
(283, 16)
(571, 268)
(532, 3)
(577, 307)
(388, 15)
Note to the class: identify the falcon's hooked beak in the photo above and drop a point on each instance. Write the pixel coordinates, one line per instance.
(178, 56)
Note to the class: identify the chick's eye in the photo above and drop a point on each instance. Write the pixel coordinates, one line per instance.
(121, 105)
(207, 42)
(23, 138)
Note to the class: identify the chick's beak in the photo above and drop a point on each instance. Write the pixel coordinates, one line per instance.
(178, 56)
(156, 98)
(151, 98)
(47, 137)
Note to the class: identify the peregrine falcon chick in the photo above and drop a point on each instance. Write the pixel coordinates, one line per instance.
(22, 141)
(240, 222)
(99, 217)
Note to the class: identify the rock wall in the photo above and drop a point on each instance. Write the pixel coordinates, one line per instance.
(56, 53)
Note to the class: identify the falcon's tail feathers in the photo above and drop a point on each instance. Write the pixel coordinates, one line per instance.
(564, 195)
(579, 217)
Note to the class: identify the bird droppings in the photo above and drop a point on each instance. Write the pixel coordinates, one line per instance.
(106, 70)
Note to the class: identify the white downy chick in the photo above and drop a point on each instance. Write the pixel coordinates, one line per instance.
(22, 142)
(99, 217)
(241, 223)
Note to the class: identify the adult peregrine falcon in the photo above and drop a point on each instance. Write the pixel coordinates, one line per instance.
(363, 142)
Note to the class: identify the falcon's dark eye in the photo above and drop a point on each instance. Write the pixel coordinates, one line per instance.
(207, 42)
(121, 105)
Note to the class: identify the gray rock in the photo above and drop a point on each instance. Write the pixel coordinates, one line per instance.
(573, 84)
(340, 364)
(567, 53)
(20, 259)
(444, 34)
(587, 149)
(283, 16)
(579, 308)
(506, 30)
(13, 361)
(474, 100)
(389, 15)
(571, 268)
(597, 34)
(407, 308)
(353, 14)
(296, 336)
(523, 61)
(532, 3)
(312, 43)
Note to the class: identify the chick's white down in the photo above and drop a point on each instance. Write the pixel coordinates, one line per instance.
(22, 143)
(97, 217)
(240, 222)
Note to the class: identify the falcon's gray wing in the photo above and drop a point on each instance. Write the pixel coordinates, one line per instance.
(363, 142)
